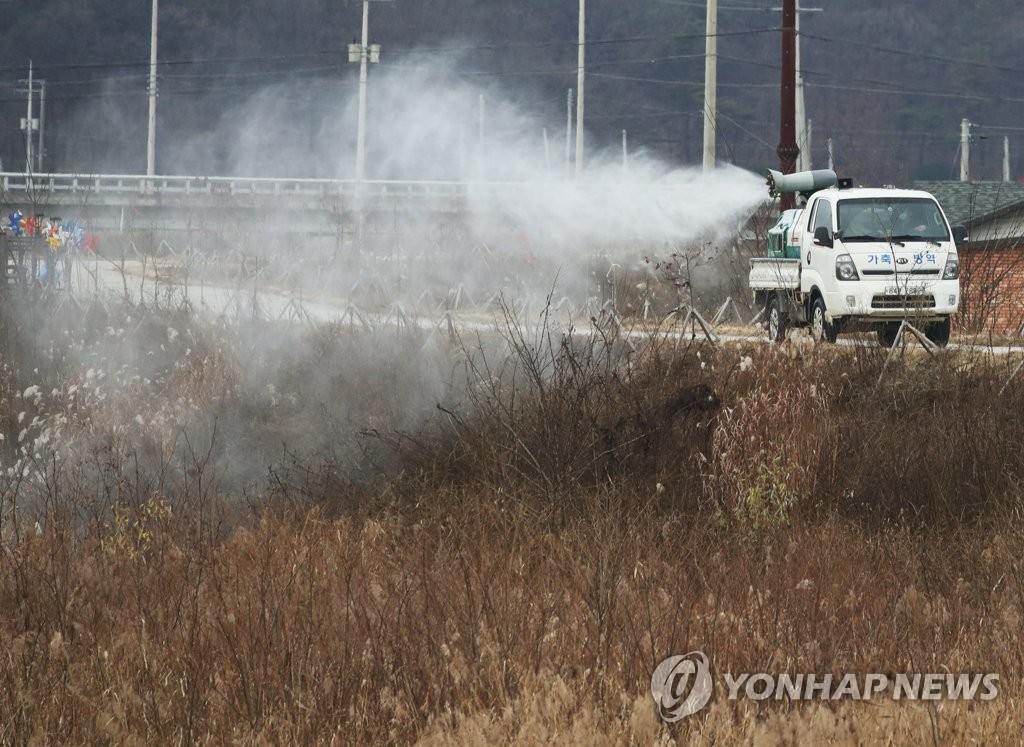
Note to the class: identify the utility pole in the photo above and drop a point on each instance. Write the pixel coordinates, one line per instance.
(710, 85)
(625, 152)
(800, 111)
(965, 150)
(480, 160)
(151, 139)
(361, 126)
(481, 123)
(568, 132)
(462, 151)
(28, 124)
(581, 59)
(1006, 158)
(363, 53)
(831, 157)
(803, 138)
(804, 162)
(788, 149)
(42, 120)
(803, 124)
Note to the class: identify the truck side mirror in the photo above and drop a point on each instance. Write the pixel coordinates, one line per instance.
(822, 236)
(959, 234)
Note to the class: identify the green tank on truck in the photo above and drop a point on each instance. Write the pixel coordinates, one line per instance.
(780, 236)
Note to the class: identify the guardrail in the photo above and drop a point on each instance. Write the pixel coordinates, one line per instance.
(134, 184)
(141, 185)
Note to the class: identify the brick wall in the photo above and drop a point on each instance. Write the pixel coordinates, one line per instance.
(992, 286)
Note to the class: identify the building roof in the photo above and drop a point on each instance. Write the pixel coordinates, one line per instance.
(968, 203)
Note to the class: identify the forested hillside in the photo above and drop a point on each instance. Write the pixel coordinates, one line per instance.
(266, 87)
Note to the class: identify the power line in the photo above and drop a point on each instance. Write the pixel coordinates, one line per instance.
(685, 4)
(173, 62)
(996, 127)
(258, 74)
(816, 73)
(910, 92)
(646, 60)
(238, 88)
(590, 42)
(53, 67)
(688, 83)
(916, 55)
(745, 130)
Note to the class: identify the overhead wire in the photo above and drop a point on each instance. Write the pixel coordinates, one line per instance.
(195, 83)
(907, 53)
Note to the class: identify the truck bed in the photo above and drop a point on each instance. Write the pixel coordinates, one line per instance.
(770, 273)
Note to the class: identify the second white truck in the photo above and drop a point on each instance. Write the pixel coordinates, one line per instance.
(857, 257)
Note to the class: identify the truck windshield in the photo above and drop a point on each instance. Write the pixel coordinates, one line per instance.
(891, 219)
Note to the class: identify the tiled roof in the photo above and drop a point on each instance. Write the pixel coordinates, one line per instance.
(974, 202)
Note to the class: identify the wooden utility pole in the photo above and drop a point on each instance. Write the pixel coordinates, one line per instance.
(788, 149)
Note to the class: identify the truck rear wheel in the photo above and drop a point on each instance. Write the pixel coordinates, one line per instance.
(938, 332)
(822, 330)
(777, 321)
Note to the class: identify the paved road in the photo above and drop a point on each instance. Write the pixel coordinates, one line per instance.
(247, 301)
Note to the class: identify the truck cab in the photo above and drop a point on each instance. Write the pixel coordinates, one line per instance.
(865, 256)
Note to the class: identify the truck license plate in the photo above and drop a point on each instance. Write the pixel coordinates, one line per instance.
(909, 290)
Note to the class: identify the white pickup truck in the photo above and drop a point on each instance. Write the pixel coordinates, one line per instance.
(861, 256)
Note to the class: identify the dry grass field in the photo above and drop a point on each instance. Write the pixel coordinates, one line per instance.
(265, 533)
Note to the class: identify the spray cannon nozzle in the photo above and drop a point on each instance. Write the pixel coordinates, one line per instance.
(805, 182)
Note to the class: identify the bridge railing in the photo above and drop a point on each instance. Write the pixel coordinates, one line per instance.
(135, 184)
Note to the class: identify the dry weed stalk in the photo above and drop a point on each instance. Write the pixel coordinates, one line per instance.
(517, 567)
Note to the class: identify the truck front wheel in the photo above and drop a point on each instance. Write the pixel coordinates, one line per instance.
(777, 321)
(822, 330)
(887, 334)
(938, 332)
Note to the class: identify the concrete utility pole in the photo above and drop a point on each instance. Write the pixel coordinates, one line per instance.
(29, 124)
(363, 53)
(965, 150)
(482, 117)
(581, 59)
(710, 85)
(568, 131)
(361, 126)
(803, 161)
(788, 149)
(42, 120)
(151, 139)
(803, 135)
(799, 108)
(480, 159)
(1006, 158)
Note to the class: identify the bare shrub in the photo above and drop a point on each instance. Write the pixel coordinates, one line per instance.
(510, 570)
(549, 412)
(771, 447)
